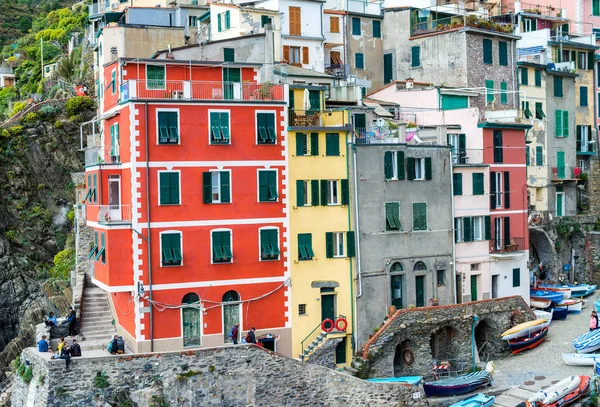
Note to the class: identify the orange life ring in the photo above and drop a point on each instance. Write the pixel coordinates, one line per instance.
(408, 357)
(341, 320)
(331, 325)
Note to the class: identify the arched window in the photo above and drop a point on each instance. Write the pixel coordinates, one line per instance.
(231, 296)
(190, 298)
(420, 266)
(396, 268)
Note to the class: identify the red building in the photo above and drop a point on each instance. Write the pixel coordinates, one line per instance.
(187, 201)
(504, 151)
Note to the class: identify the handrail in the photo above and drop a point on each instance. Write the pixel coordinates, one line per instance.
(315, 329)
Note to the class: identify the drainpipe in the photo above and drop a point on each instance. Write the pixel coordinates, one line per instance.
(355, 251)
(357, 235)
(452, 236)
(514, 68)
(149, 235)
(473, 347)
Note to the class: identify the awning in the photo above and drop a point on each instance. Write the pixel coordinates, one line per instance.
(379, 111)
(329, 45)
(112, 16)
(204, 16)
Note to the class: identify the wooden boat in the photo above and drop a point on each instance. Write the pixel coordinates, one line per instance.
(478, 400)
(573, 305)
(560, 394)
(539, 314)
(581, 359)
(558, 313)
(457, 385)
(539, 303)
(414, 380)
(519, 345)
(546, 295)
(588, 342)
(564, 289)
(525, 329)
(582, 290)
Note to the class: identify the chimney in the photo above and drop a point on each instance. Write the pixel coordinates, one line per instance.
(410, 83)
(269, 52)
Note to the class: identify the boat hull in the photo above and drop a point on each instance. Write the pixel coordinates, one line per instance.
(526, 330)
(547, 295)
(541, 304)
(478, 400)
(562, 393)
(588, 342)
(558, 313)
(414, 380)
(457, 385)
(580, 359)
(565, 290)
(573, 306)
(519, 345)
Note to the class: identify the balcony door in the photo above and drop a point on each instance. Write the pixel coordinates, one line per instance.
(560, 204)
(114, 197)
(232, 84)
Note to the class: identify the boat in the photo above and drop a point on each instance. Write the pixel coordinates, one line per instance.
(558, 313)
(582, 290)
(581, 359)
(588, 342)
(546, 295)
(539, 303)
(525, 329)
(564, 289)
(519, 345)
(597, 305)
(573, 305)
(478, 400)
(560, 394)
(539, 314)
(414, 380)
(457, 385)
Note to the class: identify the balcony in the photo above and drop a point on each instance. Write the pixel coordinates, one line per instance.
(200, 90)
(113, 214)
(502, 246)
(440, 22)
(344, 93)
(337, 70)
(364, 136)
(586, 147)
(568, 66)
(318, 118)
(565, 173)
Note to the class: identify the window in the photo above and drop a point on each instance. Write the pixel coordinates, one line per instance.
(392, 216)
(441, 277)
(305, 250)
(168, 191)
(596, 7)
(583, 139)
(359, 60)
(334, 24)
(415, 56)
(301, 144)
(314, 192)
(216, 187)
(516, 278)
(538, 78)
(356, 26)
(503, 93)
(224, 20)
(524, 76)
(583, 96)
(269, 244)
(292, 55)
(221, 247)
(155, 77)
(219, 128)
(265, 20)
(496, 190)
(101, 250)
(478, 188)
(168, 127)
(489, 85)
(265, 128)
(332, 192)
(582, 60)
(295, 21)
(471, 228)
(451, 102)
(539, 111)
(498, 149)
(525, 109)
(529, 24)
(474, 266)
(91, 189)
(457, 184)
(113, 82)
(393, 165)
(487, 51)
(332, 144)
(459, 147)
(503, 53)
(420, 216)
(94, 196)
(334, 244)
(418, 168)
(477, 225)
(170, 249)
(302, 198)
(301, 309)
(267, 185)
(376, 29)
(539, 157)
(558, 86)
(527, 156)
(458, 230)
(561, 123)
(228, 54)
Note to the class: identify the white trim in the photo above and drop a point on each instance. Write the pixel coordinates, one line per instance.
(338, 192)
(230, 187)
(260, 243)
(419, 162)
(256, 135)
(508, 212)
(165, 80)
(244, 163)
(215, 222)
(344, 243)
(228, 111)
(492, 166)
(177, 171)
(102, 226)
(159, 110)
(180, 245)
(258, 171)
(563, 206)
(230, 244)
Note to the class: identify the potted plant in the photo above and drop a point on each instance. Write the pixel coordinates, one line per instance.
(265, 91)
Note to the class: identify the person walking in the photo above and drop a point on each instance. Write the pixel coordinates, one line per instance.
(71, 318)
(235, 333)
(593, 321)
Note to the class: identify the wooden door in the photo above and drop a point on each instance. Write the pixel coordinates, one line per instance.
(420, 288)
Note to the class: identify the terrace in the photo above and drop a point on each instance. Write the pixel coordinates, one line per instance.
(444, 18)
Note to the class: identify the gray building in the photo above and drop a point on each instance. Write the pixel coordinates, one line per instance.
(403, 218)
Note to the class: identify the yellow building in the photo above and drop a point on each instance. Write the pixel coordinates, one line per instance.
(322, 244)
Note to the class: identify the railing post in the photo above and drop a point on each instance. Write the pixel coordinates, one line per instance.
(133, 90)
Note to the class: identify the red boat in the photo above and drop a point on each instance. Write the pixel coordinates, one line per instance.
(518, 345)
(581, 390)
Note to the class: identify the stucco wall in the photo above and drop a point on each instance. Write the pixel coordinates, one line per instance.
(372, 48)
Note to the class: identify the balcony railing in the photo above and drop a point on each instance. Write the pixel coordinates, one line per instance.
(566, 172)
(112, 154)
(376, 136)
(200, 90)
(108, 214)
(568, 66)
(514, 244)
(586, 147)
(337, 70)
(318, 118)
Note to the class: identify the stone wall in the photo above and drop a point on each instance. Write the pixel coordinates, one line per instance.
(441, 333)
(228, 376)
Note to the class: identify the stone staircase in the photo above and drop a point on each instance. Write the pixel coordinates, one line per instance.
(96, 328)
(314, 345)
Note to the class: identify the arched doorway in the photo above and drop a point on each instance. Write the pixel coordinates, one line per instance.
(231, 314)
(404, 357)
(420, 284)
(441, 344)
(397, 285)
(484, 340)
(191, 320)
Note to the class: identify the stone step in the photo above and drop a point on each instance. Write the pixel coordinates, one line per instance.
(94, 294)
(97, 320)
(93, 325)
(101, 330)
(105, 314)
(102, 301)
(94, 345)
(93, 308)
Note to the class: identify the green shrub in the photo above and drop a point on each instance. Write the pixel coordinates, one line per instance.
(101, 381)
(64, 261)
(21, 369)
(4, 133)
(48, 111)
(15, 130)
(158, 401)
(11, 235)
(16, 362)
(30, 118)
(41, 379)
(78, 104)
(58, 124)
(17, 107)
(71, 215)
(28, 375)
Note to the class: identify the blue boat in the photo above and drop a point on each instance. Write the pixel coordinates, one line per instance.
(588, 342)
(559, 313)
(478, 400)
(457, 385)
(414, 380)
(582, 290)
(546, 295)
(597, 305)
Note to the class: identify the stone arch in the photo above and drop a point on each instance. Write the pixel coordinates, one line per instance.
(404, 357)
(484, 339)
(542, 248)
(441, 343)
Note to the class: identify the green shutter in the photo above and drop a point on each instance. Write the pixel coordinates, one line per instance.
(539, 111)
(324, 191)
(329, 245)
(524, 76)
(350, 244)
(451, 102)
(596, 7)
(565, 128)
(228, 54)
(314, 144)
(489, 84)
(583, 96)
(503, 94)
(503, 53)
(272, 185)
(174, 188)
(356, 26)
(539, 158)
(225, 127)
(155, 77)
(265, 244)
(94, 194)
(225, 195)
(457, 181)
(265, 20)
(388, 167)
(345, 192)
(558, 122)
(359, 60)
(376, 29)
(516, 278)
(314, 192)
(219, 22)
(488, 226)
(478, 183)
(487, 51)
(468, 229)
(428, 168)
(538, 78)
(300, 144)
(558, 86)
(263, 186)
(207, 187)
(299, 193)
(165, 189)
(392, 216)
(410, 168)
(332, 144)
(400, 163)
(416, 56)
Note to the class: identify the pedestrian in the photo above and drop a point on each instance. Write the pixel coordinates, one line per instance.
(43, 344)
(234, 334)
(61, 344)
(594, 321)
(113, 345)
(71, 318)
(50, 320)
(251, 337)
(65, 353)
(75, 349)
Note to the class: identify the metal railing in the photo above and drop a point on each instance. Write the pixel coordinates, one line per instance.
(547, 11)
(200, 90)
(376, 136)
(318, 118)
(588, 147)
(514, 244)
(318, 335)
(337, 70)
(112, 153)
(114, 213)
(565, 172)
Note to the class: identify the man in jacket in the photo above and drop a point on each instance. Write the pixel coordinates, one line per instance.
(75, 349)
(251, 337)
(71, 318)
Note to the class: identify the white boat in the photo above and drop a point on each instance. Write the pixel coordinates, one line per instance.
(588, 342)
(527, 329)
(540, 303)
(556, 391)
(580, 359)
(539, 314)
(574, 305)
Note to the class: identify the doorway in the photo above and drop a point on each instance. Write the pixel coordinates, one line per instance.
(191, 320)
(495, 286)
(560, 203)
(388, 69)
(232, 84)
(328, 300)
(114, 197)
(231, 314)
(474, 288)
(420, 288)
(397, 282)
(340, 352)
